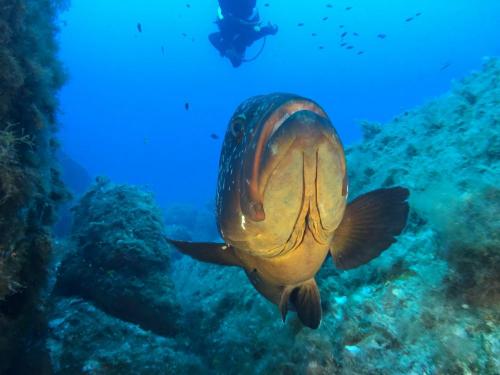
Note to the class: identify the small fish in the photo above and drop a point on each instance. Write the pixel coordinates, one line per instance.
(343, 34)
(343, 44)
(146, 140)
(445, 66)
(341, 26)
(324, 18)
(329, 5)
(348, 8)
(162, 50)
(321, 47)
(64, 23)
(314, 34)
(381, 36)
(409, 19)
(188, 5)
(418, 14)
(361, 52)
(186, 106)
(139, 27)
(184, 35)
(355, 34)
(266, 5)
(350, 47)
(300, 24)
(214, 136)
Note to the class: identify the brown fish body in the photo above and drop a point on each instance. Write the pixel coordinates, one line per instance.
(282, 203)
(271, 275)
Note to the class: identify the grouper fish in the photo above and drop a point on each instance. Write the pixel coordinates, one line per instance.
(282, 204)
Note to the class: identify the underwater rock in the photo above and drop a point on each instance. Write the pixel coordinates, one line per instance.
(30, 186)
(85, 340)
(120, 260)
(448, 153)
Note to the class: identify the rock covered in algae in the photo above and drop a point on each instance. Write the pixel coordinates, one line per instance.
(85, 340)
(30, 187)
(120, 260)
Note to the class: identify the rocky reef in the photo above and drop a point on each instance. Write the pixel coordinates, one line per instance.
(121, 261)
(429, 305)
(30, 188)
(114, 294)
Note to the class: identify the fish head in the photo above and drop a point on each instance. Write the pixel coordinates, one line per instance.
(282, 172)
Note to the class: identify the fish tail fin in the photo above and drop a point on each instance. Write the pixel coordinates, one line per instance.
(369, 226)
(306, 300)
(209, 252)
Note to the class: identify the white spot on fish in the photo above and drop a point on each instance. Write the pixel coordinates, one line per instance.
(274, 149)
(243, 222)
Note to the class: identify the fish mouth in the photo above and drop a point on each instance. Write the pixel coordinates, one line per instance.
(266, 157)
(310, 139)
(296, 142)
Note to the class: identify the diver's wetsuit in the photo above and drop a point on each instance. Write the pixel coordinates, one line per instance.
(239, 26)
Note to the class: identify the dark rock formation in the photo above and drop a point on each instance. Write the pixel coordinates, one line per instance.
(30, 188)
(85, 340)
(121, 260)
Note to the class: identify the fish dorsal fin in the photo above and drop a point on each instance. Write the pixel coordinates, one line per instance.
(369, 226)
(209, 252)
(306, 300)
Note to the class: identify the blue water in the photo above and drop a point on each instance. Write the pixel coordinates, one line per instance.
(123, 110)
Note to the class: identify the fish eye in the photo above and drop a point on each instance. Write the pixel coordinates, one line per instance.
(238, 126)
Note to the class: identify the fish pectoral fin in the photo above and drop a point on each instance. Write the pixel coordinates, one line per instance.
(306, 300)
(209, 252)
(369, 226)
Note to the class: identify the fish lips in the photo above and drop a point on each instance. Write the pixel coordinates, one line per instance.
(304, 130)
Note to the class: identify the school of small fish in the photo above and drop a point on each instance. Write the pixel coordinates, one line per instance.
(345, 42)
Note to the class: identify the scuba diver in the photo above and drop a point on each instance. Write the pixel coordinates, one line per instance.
(239, 27)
